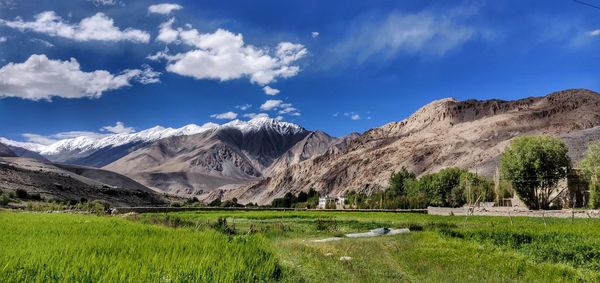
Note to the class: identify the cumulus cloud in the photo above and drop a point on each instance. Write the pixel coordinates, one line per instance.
(283, 108)
(270, 91)
(422, 33)
(41, 78)
(314, 34)
(223, 55)
(118, 128)
(256, 115)
(271, 104)
(225, 116)
(164, 9)
(97, 27)
(3, 39)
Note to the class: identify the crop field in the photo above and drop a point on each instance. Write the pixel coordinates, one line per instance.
(267, 246)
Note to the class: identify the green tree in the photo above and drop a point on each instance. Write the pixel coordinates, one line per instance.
(590, 166)
(534, 165)
(397, 180)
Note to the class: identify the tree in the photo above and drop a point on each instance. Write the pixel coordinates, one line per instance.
(534, 165)
(590, 166)
(397, 180)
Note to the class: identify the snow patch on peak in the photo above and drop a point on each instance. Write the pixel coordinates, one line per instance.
(259, 123)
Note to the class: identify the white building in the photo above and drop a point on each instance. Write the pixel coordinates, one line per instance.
(339, 201)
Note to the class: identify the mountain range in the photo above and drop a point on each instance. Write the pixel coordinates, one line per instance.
(261, 159)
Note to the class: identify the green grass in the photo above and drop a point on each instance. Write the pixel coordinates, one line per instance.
(276, 246)
(85, 248)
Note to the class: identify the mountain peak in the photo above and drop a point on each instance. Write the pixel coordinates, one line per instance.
(259, 123)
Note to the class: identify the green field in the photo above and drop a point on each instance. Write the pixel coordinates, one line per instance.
(237, 246)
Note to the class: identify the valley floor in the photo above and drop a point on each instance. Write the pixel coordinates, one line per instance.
(250, 246)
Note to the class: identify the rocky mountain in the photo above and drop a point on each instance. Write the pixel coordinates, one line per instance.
(220, 158)
(5, 151)
(74, 183)
(261, 159)
(470, 134)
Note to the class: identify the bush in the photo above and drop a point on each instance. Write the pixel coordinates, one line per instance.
(326, 224)
(4, 199)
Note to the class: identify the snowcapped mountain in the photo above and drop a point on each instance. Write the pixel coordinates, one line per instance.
(73, 150)
(231, 154)
(258, 123)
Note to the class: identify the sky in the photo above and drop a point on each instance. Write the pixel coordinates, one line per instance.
(112, 66)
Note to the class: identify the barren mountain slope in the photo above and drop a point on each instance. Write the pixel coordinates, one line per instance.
(314, 144)
(231, 154)
(73, 183)
(469, 134)
(5, 151)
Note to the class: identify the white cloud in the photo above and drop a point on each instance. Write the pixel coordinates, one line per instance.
(164, 9)
(270, 91)
(100, 3)
(271, 104)
(287, 110)
(47, 140)
(147, 75)
(223, 55)
(594, 32)
(225, 116)
(39, 139)
(43, 42)
(42, 78)
(284, 108)
(422, 33)
(97, 27)
(244, 107)
(256, 115)
(118, 128)
(3, 39)
(314, 34)
(352, 115)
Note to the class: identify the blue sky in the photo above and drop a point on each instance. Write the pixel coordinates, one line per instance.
(372, 62)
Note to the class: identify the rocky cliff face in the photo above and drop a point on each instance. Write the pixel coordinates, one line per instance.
(447, 132)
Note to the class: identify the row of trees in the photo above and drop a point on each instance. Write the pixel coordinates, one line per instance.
(308, 199)
(451, 186)
(532, 166)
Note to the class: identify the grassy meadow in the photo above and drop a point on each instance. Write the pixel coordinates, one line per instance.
(266, 246)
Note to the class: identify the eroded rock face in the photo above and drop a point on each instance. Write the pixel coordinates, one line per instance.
(469, 134)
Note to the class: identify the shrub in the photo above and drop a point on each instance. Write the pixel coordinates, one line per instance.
(326, 224)
(4, 199)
